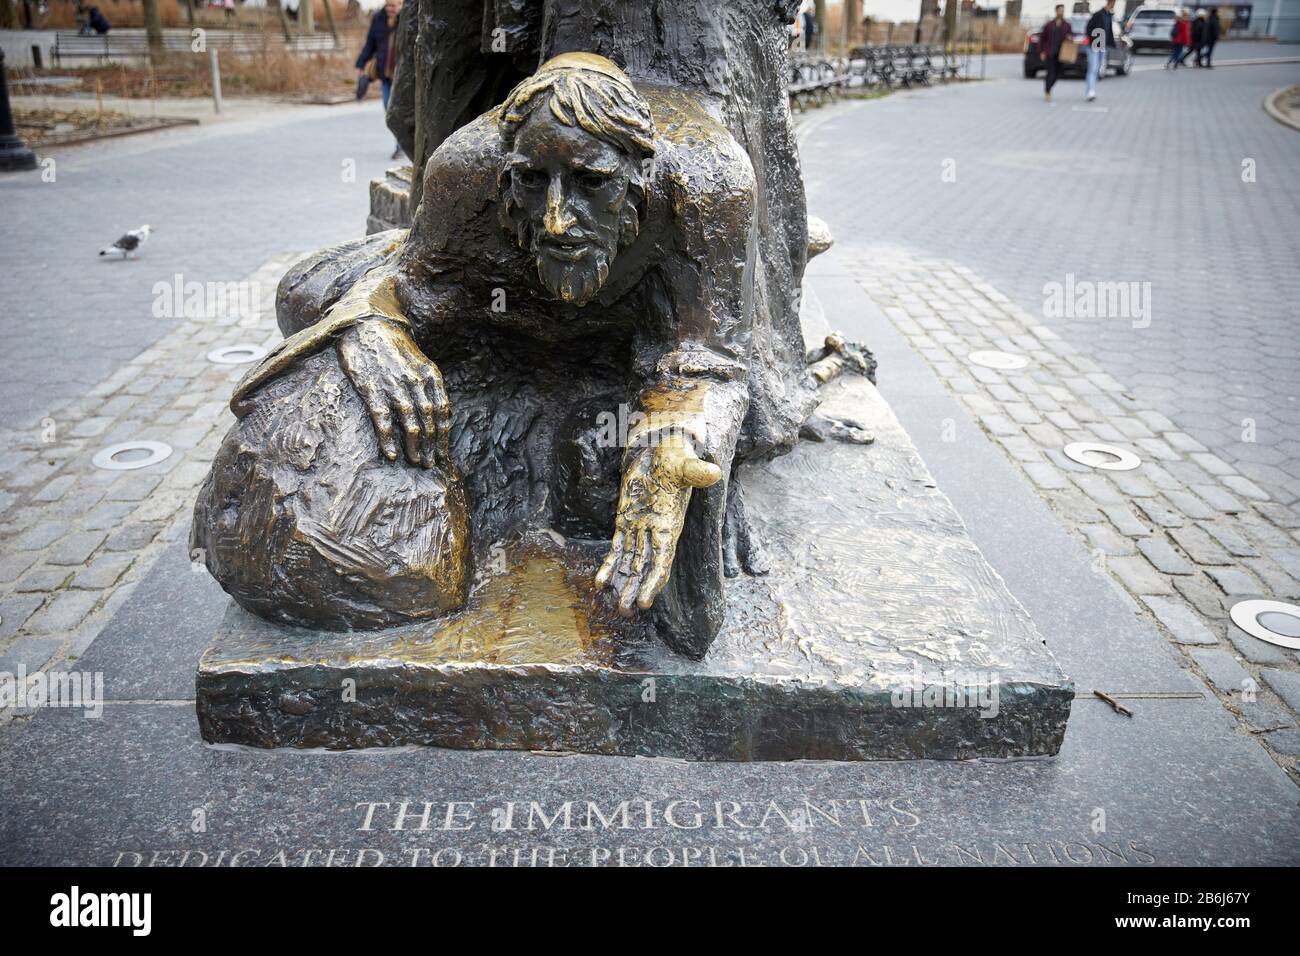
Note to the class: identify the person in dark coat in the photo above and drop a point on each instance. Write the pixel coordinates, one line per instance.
(1101, 33)
(1198, 35)
(1055, 32)
(1213, 28)
(380, 53)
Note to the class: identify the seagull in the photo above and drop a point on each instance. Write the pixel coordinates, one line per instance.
(130, 242)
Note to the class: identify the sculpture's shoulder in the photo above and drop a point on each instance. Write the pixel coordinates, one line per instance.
(461, 188)
(699, 162)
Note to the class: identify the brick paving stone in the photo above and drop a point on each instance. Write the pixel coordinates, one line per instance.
(133, 537)
(56, 489)
(1045, 475)
(76, 548)
(1199, 546)
(1245, 487)
(1279, 515)
(1182, 622)
(1288, 558)
(90, 427)
(1212, 463)
(13, 565)
(1217, 498)
(1102, 537)
(1074, 506)
(1189, 505)
(1099, 489)
(1277, 583)
(1133, 485)
(1223, 670)
(1286, 684)
(108, 516)
(1157, 512)
(1255, 650)
(1164, 556)
(43, 535)
(1285, 741)
(15, 611)
(103, 572)
(1234, 581)
(1137, 574)
(1127, 522)
(65, 612)
(1264, 717)
(1235, 543)
(31, 653)
(43, 580)
(133, 487)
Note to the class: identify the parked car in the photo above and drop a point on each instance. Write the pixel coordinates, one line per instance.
(1149, 28)
(1119, 56)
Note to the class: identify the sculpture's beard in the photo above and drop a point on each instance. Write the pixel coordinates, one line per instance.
(576, 282)
(574, 274)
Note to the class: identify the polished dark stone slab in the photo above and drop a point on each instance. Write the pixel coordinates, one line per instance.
(875, 589)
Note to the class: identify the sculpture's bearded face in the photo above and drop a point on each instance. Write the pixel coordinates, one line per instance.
(573, 203)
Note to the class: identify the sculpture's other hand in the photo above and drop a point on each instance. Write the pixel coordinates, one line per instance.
(656, 489)
(402, 390)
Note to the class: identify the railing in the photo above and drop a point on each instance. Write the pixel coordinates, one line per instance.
(69, 45)
(818, 78)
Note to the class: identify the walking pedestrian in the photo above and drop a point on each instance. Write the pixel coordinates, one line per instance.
(1198, 35)
(808, 22)
(1181, 37)
(1055, 34)
(1101, 37)
(378, 58)
(1213, 28)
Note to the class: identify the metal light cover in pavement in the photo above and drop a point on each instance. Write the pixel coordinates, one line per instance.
(108, 460)
(1001, 360)
(1088, 452)
(1246, 615)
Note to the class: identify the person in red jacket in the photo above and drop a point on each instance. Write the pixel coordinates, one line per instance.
(1182, 41)
(1055, 32)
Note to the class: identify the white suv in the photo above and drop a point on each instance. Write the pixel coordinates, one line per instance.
(1149, 28)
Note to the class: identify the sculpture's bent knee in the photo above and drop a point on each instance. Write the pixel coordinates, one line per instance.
(303, 522)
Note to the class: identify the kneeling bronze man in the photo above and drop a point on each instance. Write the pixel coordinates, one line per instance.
(584, 249)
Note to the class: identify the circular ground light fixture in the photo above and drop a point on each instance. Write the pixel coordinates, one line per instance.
(108, 458)
(999, 360)
(236, 354)
(1097, 455)
(1283, 621)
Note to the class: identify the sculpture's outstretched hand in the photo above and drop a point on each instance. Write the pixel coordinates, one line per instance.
(657, 483)
(402, 390)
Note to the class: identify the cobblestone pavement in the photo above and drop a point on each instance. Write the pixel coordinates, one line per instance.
(1151, 191)
(76, 539)
(1208, 519)
(223, 200)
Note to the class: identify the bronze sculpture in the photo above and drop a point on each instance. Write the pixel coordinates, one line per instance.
(592, 249)
(510, 470)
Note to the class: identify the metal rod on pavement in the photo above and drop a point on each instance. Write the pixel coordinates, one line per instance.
(216, 78)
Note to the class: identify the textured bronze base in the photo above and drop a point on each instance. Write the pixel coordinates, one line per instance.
(874, 584)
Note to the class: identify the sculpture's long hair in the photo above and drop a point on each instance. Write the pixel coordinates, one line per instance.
(605, 105)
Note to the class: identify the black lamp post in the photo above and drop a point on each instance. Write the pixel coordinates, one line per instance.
(14, 153)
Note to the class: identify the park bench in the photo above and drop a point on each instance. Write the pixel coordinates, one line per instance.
(817, 78)
(128, 44)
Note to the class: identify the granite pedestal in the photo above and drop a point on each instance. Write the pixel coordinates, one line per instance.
(880, 632)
